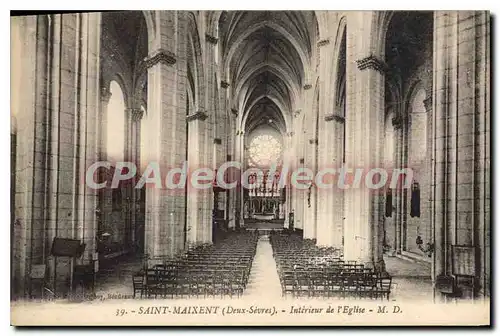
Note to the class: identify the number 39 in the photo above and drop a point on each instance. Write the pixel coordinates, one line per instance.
(120, 312)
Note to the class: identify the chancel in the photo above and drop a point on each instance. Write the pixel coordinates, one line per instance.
(299, 99)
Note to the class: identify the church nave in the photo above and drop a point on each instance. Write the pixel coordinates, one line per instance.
(324, 155)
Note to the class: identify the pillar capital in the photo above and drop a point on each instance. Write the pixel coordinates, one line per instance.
(136, 113)
(372, 62)
(200, 115)
(159, 56)
(323, 42)
(211, 39)
(307, 86)
(428, 104)
(105, 94)
(336, 117)
(290, 134)
(224, 84)
(297, 113)
(397, 122)
(313, 141)
(234, 111)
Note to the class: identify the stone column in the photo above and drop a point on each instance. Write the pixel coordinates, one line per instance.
(105, 96)
(295, 200)
(460, 170)
(208, 159)
(166, 64)
(330, 151)
(425, 192)
(309, 146)
(331, 209)
(236, 194)
(197, 211)
(364, 123)
(224, 137)
(286, 171)
(334, 197)
(234, 174)
(212, 151)
(397, 122)
(298, 161)
(32, 116)
(89, 96)
(57, 140)
(136, 117)
(309, 212)
(405, 192)
(300, 200)
(240, 200)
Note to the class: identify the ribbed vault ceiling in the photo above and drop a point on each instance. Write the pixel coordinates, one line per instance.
(266, 57)
(130, 26)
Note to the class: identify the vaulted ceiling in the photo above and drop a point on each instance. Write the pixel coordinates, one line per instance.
(129, 28)
(266, 56)
(124, 35)
(408, 38)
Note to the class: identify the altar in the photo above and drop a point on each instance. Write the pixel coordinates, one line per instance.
(264, 216)
(265, 201)
(263, 194)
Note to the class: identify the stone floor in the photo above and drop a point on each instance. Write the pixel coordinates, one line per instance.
(263, 279)
(411, 280)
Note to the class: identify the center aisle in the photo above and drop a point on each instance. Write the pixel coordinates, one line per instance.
(263, 280)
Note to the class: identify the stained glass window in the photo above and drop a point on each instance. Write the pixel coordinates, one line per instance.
(264, 150)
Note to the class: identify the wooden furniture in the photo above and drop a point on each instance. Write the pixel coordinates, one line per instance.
(139, 285)
(308, 271)
(219, 270)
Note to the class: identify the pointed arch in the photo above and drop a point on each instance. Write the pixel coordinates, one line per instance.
(149, 17)
(195, 67)
(116, 123)
(339, 66)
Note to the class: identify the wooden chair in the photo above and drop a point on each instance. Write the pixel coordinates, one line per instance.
(303, 285)
(319, 284)
(367, 285)
(335, 285)
(351, 285)
(170, 284)
(152, 283)
(288, 284)
(237, 286)
(383, 289)
(138, 283)
(183, 285)
(196, 285)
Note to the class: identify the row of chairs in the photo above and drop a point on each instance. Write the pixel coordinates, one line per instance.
(306, 270)
(195, 283)
(221, 270)
(325, 284)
